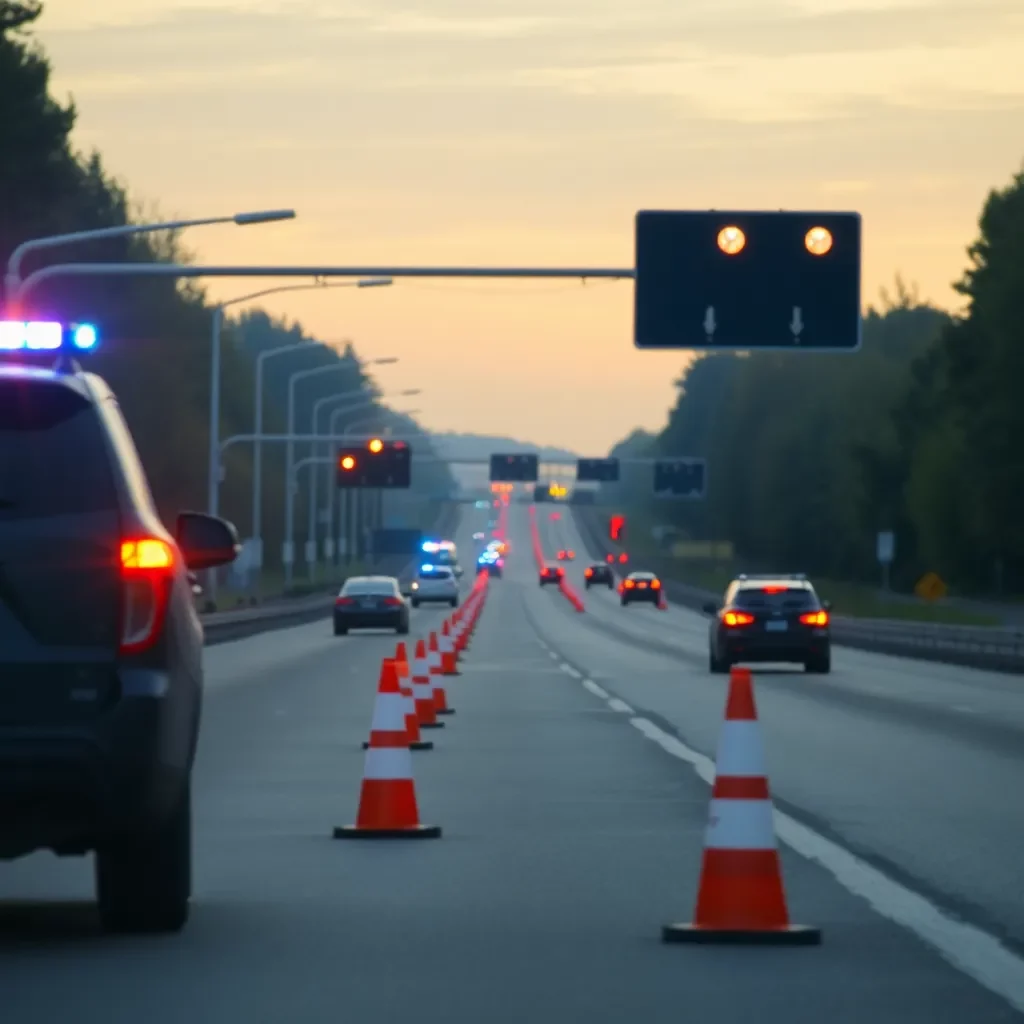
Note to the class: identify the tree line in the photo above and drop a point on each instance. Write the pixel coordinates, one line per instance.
(157, 332)
(921, 432)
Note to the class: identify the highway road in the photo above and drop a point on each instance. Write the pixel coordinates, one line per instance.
(569, 839)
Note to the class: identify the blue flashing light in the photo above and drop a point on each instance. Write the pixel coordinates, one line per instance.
(430, 545)
(426, 568)
(46, 336)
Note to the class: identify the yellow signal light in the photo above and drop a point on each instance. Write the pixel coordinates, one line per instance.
(731, 240)
(818, 241)
(376, 446)
(348, 462)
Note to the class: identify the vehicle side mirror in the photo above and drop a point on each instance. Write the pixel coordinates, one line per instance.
(711, 608)
(827, 605)
(206, 541)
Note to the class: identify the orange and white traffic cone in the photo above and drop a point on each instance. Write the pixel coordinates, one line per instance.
(412, 722)
(387, 798)
(446, 647)
(741, 898)
(434, 661)
(423, 690)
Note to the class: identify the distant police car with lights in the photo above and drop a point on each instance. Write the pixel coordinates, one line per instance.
(491, 562)
(435, 584)
(370, 602)
(101, 663)
(770, 619)
(443, 553)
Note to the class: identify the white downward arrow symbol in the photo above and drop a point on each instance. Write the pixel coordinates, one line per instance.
(709, 323)
(797, 325)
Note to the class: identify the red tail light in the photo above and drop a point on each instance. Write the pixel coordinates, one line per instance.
(342, 602)
(588, 573)
(393, 602)
(655, 584)
(623, 557)
(737, 618)
(572, 554)
(815, 618)
(629, 584)
(609, 558)
(147, 569)
(773, 590)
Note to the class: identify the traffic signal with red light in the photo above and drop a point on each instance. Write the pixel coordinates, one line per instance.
(377, 464)
(617, 528)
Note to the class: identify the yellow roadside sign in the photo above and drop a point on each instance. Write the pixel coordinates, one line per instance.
(930, 587)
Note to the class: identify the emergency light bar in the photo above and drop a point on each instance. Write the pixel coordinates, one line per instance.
(46, 336)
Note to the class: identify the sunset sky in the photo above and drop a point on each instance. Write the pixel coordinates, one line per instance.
(530, 132)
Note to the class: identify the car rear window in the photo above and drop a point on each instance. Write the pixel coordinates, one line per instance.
(435, 574)
(53, 455)
(384, 588)
(775, 598)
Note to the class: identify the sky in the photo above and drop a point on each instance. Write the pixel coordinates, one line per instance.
(529, 132)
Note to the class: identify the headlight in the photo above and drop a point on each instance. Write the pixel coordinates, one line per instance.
(415, 586)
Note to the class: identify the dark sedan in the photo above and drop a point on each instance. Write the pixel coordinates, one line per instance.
(370, 602)
(598, 572)
(551, 574)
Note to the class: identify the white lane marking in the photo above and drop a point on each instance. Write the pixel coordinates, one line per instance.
(596, 690)
(621, 706)
(970, 950)
(569, 670)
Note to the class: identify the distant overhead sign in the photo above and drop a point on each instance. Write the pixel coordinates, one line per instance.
(604, 471)
(515, 468)
(680, 478)
(735, 280)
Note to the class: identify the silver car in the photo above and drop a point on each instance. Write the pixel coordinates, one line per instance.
(435, 583)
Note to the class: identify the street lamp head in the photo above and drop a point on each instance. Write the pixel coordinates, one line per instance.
(411, 392)
(263, 216)
(386, 361)
(374, 282)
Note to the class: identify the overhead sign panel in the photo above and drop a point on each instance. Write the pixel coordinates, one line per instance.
(742, 280)
(680, 478)
(519, 468)
(605, 471)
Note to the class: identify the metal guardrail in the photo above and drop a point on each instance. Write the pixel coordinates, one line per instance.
(998, 648)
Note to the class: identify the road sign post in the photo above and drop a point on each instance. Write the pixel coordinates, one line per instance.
(747, 280)
(885, 550)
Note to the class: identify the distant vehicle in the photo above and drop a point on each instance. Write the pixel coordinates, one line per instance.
(101, 646)
(551, 574)
(443, 552)
(478, 536)
(435, 584)
(492, 563)
(770, 619)
(598, 573)
(566, 555)
(370, 602)
(640, 586)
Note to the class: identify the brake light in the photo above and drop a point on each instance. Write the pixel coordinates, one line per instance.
(393, 602)
(623, 557)
(588, 573)
(815, 618)
(147, 569)
(737, 618)
(655, 584)
(629, 584)
(773, 590)
(609, 558)
(572, 554)
(341, 602)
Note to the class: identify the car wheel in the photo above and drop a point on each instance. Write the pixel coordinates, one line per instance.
(454, 602)
(715, 665)
(624, 602)
(144, 882)
(819, 666)
(415, 603)
(403, 629)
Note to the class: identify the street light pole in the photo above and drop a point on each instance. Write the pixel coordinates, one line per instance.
(213, 458)
(12, 279)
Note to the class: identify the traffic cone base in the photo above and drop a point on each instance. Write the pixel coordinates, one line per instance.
(444, 711)
(432, 725)
(415, 832)
(791, 935)
(416, 745)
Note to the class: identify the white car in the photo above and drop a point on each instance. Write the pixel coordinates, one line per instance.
(434, 583)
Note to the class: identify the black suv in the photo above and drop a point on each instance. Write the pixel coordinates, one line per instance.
(599, 572)
(100, 648)
(770, 618)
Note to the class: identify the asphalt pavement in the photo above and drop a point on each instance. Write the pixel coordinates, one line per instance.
(569, 839)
